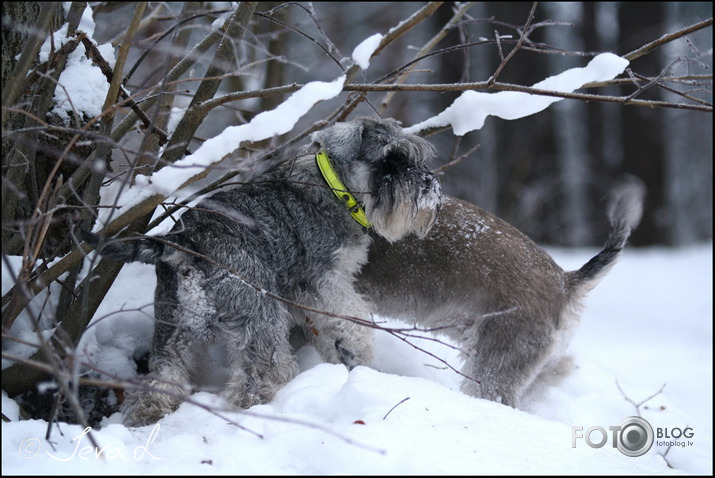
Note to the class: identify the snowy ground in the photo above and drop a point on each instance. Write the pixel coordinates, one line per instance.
(649, 323)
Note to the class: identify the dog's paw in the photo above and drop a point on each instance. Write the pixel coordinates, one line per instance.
(353, 356)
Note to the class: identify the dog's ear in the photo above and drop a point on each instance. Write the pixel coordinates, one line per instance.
(341, 141)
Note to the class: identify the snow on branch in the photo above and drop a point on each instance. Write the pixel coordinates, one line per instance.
(265, 125)
(470, 110)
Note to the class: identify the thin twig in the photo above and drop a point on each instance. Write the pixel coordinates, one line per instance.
(524, 32)
(95, 55)
(396, 405)
(638, 405)
(456, 161)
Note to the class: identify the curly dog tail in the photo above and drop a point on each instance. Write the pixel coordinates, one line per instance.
(625, 208)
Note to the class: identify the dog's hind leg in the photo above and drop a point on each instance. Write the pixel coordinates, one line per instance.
(255, 327)
(508, 352)
(167, 384)
(261, 361)
(180, 309)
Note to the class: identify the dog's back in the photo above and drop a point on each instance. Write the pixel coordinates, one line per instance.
(470, 264)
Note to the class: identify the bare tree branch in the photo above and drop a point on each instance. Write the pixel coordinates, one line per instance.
(234, 29)
(459, 13)
(649, 47)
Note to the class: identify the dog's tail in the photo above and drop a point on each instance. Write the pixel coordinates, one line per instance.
(125, 250)
(625, 208)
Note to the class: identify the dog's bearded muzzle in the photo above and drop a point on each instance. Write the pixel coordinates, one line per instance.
(405, 203)
(385, 169)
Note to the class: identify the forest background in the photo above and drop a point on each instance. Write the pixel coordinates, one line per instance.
(185, 72)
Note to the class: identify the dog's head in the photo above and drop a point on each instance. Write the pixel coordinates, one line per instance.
(385, 170)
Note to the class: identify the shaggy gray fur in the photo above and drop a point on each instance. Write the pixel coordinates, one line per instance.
(288, 234)
(493, 290)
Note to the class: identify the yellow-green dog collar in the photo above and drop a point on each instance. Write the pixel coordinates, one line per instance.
(340, 190)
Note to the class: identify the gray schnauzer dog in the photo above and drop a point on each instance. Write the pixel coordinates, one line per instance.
(284, 234)
(491, 289)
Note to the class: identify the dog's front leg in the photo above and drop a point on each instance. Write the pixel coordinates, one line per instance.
(339, 340)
